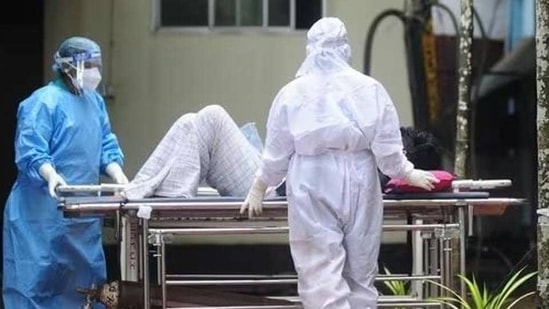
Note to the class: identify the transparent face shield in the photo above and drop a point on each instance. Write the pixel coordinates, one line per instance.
(78, 63)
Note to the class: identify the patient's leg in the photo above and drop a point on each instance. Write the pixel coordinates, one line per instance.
(206, 146)
(230, 161)
(173, 169)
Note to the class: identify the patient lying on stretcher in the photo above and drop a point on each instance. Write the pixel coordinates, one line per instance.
(204, 147)
(208, 147)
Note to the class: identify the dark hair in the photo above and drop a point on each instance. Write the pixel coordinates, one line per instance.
(422, 148)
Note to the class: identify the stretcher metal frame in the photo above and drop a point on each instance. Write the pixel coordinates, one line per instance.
(435, 223)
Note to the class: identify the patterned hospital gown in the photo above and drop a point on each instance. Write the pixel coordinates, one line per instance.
(199, 147)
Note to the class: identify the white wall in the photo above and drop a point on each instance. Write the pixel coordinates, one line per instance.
(155, 77)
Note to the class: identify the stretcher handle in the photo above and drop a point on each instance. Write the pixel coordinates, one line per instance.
(104, 187)
(484, 184)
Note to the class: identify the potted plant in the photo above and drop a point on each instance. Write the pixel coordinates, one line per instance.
(396, 287)
(480, 298)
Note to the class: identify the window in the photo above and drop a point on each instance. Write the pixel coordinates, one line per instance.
(239, 14)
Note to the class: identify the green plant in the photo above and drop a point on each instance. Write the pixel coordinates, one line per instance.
(397, 287)
(480, 298)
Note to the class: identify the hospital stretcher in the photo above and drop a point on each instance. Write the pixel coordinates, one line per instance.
(438, 220)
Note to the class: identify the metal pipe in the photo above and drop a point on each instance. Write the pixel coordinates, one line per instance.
(447, 256)
(371, 32)
(418, 227)
(214, 231)
(191, 205)
(426, 260)
(435, 266)
(226, 276)
(419, 304)
(383, 300)
(158, 257)
(391, 305)
(130, 249)
(462, 236)
(442, 266)
(378, 278)
(284, 229)
(101, 188)
(280, 281)
(145, 263)
(384, 305)
(163, 282)
(231, 282)
(112, 187)
(417, 257)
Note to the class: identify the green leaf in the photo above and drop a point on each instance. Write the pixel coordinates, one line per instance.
(481, 298)
(474, 291)
(518, 300)
(397, 287)
(510, 286)
(455, 297)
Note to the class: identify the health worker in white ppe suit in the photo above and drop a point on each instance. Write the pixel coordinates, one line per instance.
(328, 131)
(63, 137)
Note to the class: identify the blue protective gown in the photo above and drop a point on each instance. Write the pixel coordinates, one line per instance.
(46, 256)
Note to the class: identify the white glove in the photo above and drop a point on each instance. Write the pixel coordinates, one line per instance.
(114, 171)
(52, 178)
(422, 179)
(254, 200)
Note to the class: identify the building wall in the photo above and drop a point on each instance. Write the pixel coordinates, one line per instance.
(152, 77)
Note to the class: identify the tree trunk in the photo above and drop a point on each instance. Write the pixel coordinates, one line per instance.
(542, 52)
(461, 160)
(464, 90)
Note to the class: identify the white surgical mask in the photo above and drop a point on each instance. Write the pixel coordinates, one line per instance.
(91, 78)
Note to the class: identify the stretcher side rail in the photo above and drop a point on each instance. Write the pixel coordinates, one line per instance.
(206, 277)
(389, 301)
(110, 188)
(411, 304)
(207, 208)
(408, 304)
(296, 306)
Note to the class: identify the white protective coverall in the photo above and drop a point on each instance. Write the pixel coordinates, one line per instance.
(328, 130)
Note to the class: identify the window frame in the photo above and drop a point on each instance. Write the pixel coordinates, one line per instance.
(157, 27)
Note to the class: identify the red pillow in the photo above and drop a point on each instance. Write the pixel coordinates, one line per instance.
(399, 185)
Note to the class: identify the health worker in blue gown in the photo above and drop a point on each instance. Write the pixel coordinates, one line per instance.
(63, 137)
